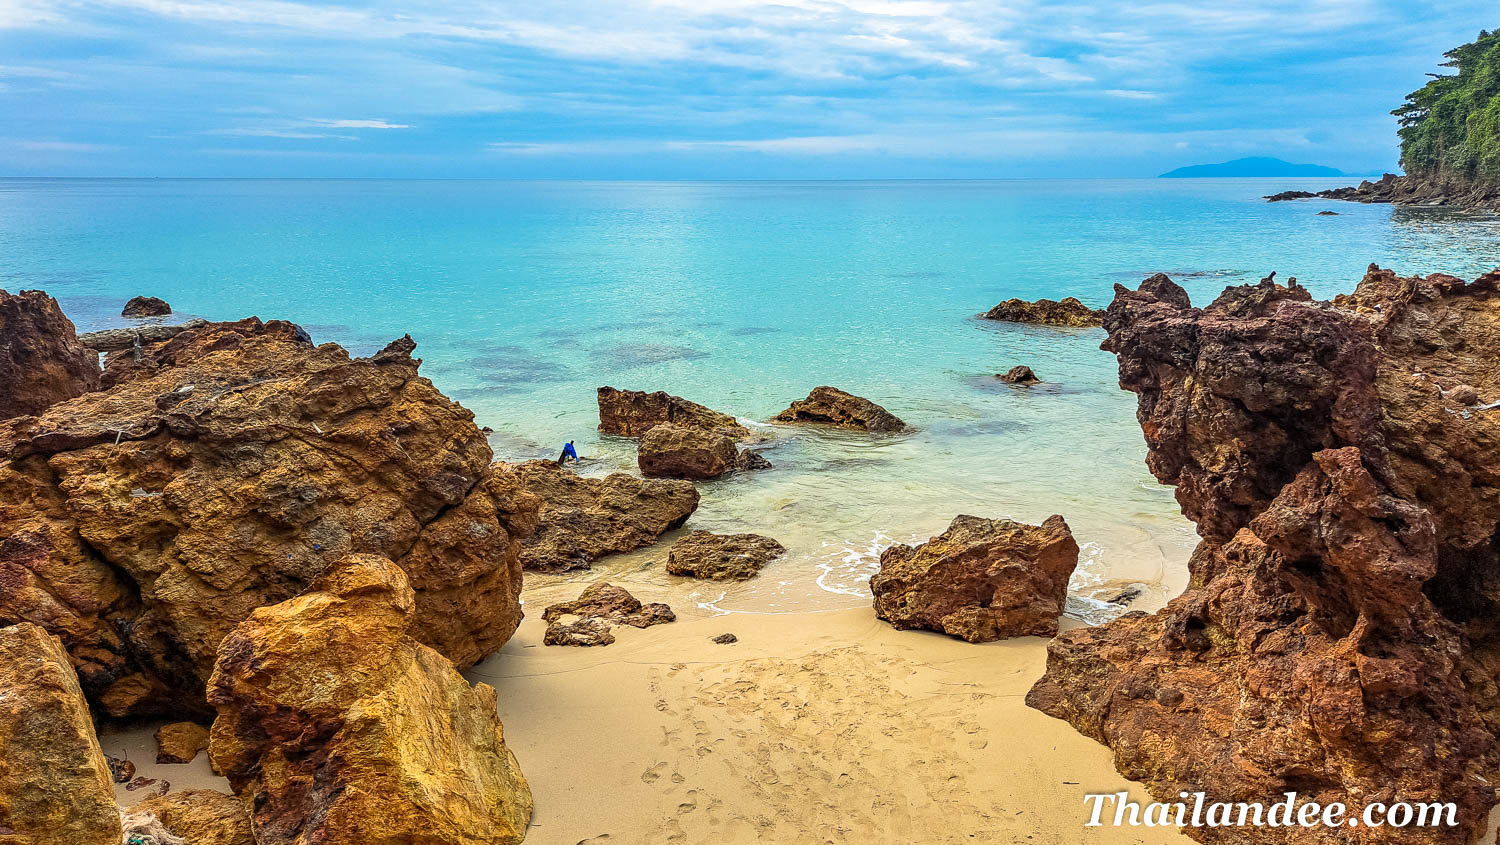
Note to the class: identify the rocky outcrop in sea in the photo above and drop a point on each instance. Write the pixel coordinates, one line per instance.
(722, 557)
(632, 413)
(833, 407)
(1409, 190)
(1046, 312)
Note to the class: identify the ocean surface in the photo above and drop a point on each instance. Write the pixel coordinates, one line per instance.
(525, 297)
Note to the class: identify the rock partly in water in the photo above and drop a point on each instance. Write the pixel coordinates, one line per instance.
(721, 557)
(54, 782)
(587, 620)
(198, 816)
(223, 472)
(583, 519)
(180, 742)
(632, 413)
(1021, 375)
(41, 361)
(146, 306)
(1046, 312)
(981, 580)
(1411, 189)
(1337, 636)
(673, 451)
(831, 406)
(750, 460)
(137, 338)
(336, 725)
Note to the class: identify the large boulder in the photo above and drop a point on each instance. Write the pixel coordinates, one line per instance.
(1046, 312)
(722, 557)
(54, 783)
(632, 413)
(831, 406)
(981, 580)
(582, 519)
(672, 451)
(1337, 638)
(336, 725)
(146, 306)
(222, 472)
(197, 816)
(41, 361)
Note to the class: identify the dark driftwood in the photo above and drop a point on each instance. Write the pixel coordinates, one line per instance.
(115, 340)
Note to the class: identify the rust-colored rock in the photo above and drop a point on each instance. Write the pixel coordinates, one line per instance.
(1021, 375)
(831, 406)
(583, 519)
(199, 816)
(672, 451)
(586, 621)
(146, 306)
(720, 557)
(981, 580)
(1337, 638)
(632, 413)
(180, 742)
(223, 471)
(336, 726)
(1046, 312)
(54, 783)
(41, 361)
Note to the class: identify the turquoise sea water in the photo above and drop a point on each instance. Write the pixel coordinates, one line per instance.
(525, 297)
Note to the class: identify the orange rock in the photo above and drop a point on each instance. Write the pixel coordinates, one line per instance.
(41, 361)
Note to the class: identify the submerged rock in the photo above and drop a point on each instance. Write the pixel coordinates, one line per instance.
(336, 725)
(750, 460)
(180, 742)
(1336, 638)
(1046, 312)
(41, 361)
(981, 580)
(583, 519)
(721, 557)
(198, 816)
(1021, 375)
(831, 406)
(597, 609)
(54, 782)
(222, 472)
(632, 413)
(146, 306)
(672, 451)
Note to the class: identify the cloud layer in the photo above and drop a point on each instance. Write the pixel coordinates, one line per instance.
(707, 88)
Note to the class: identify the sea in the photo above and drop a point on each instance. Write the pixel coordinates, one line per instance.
(524, 297)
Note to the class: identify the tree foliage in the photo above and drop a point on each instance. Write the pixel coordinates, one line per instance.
(1451, 125)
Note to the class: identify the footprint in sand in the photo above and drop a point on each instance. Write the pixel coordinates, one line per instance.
(653, 774)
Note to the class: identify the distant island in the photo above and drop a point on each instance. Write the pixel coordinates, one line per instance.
(1255, 166)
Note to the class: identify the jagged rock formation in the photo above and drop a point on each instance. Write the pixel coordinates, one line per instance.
(831, 406)
(335, 725)
(54, 783)
(1021, 375)
(1046, 312)
(223, 471)
(146, 306)
(722, 557)
(632, 413)
(981, 580)
(673, 451)
(1338, 637)
(583, 519)
(198, 816)
(41, 361)
(1409, 190)
(597, 609)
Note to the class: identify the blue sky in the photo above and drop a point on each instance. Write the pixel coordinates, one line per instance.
(683, 89)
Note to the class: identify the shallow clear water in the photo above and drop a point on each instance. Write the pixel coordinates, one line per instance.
(525, 297)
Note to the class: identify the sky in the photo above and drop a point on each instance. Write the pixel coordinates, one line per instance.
(708, 89)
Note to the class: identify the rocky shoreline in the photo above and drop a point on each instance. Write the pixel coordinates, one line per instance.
(1409, 190)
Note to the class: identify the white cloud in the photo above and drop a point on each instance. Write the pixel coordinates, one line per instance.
(356, 124)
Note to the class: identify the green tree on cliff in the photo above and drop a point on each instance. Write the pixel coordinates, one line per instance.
(1451, 125)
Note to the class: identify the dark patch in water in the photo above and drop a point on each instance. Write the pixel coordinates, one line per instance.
(1181, 274)
(990, 384)
(629, 355)
(977, 428)
(748, 331)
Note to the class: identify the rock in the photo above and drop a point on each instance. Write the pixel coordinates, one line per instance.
(1328, 214)
(1336, 638)
(1284, 196)
(54, 782)
(120, 340)
(180, 742)
(336, 725)
(981, 580)
(750, 460)
(584, 519)
(726, 639)
(41, 361)
(671, 451)
(632, 413)
(199, 816)
(146, 306)
(598, 608)
(831, 406)
(1428, 189)
(1463, 394)
(222, 472)
(1021, 375)
(1046, 312)
(736, 557)
(120, 771)
(585, 631)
